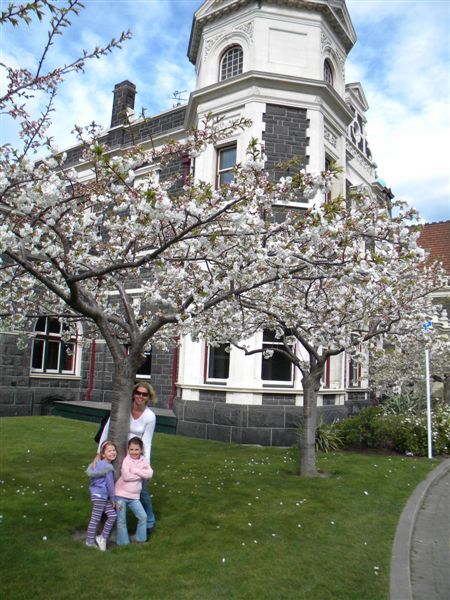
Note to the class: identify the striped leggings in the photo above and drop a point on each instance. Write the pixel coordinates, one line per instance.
(100, 506)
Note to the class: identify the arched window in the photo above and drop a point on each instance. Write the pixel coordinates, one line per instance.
(328, 72)
(231, 63)
(53, 351)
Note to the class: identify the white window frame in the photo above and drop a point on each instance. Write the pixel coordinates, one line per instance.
(269, 344)
(225, 171)
(231, 62)
(209, 362)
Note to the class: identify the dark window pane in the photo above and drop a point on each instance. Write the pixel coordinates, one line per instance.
(269, 336)
(54, 326)
(219, 362)
(40, 324)
(276, 368)
(38, 353)
(328, 72)
(146, 367)
(68, 357)
(52, 358)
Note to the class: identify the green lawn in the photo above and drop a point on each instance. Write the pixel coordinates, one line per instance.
(234, 522)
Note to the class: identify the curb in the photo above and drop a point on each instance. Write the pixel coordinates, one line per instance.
(400, 579)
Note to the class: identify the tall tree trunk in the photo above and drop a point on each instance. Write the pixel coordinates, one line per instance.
(123, 382)
(446, 390)
(311, 386)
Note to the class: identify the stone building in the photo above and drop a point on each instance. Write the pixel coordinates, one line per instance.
(281, 64)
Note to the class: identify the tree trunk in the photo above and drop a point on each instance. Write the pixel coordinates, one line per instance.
(446, 390)
(311, 385)
(123, 382)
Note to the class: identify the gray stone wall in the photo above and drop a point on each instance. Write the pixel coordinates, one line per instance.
(141, 132)
(266, 425)
(174, 169)
(124, 96)
(22, 394)
(278, 399)
(213, 396)
(285, 136)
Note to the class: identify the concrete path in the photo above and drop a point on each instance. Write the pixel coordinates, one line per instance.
(420, 565)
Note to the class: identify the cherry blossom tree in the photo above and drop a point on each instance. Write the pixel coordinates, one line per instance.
(24, 88)
(141, 265)
(134, 262)
(398, 366)
(348, 273)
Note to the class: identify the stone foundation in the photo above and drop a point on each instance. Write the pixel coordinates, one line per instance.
(265, 425)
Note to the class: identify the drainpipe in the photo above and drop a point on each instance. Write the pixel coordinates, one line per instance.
(91, 372)
(174, 373)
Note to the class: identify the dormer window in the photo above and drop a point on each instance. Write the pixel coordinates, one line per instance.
(231, 63)
(328, 72)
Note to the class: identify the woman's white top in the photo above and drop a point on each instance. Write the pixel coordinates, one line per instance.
(143, 428)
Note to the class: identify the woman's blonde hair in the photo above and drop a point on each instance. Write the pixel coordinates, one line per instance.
(151, 399)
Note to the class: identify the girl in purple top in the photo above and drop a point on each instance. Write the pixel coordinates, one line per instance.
(101, 487)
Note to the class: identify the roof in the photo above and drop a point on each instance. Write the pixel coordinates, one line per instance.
(335, 11)
(435, 237)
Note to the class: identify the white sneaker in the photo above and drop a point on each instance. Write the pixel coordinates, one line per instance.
(101, 542)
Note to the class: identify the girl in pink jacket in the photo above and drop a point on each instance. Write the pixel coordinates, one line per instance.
(135, 468)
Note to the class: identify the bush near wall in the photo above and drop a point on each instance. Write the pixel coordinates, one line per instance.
(404, 433)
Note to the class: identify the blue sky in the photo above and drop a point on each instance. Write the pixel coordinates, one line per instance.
(402, 59)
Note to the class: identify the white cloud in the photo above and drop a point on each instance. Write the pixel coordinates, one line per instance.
(404, 68)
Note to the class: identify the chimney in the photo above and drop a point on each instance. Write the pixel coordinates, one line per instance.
(124, 95)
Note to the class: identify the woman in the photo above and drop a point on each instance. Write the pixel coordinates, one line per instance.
(142, 425)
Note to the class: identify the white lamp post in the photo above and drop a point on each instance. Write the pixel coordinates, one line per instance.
(428, 326)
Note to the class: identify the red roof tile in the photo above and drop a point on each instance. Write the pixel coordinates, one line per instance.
(435, 238)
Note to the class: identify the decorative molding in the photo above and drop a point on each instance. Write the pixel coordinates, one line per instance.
(211, 42)
(330, 138)
(341, 59)
(247, 29)
(359, 156)
(326, 43)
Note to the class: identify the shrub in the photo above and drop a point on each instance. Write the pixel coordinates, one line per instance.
(413, 435)
(399, 404)
(366, 430)
(406, 432)
(328, 437)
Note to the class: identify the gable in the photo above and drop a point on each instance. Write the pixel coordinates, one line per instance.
(355, 90)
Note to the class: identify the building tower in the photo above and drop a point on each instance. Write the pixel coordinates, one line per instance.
(282, 65)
